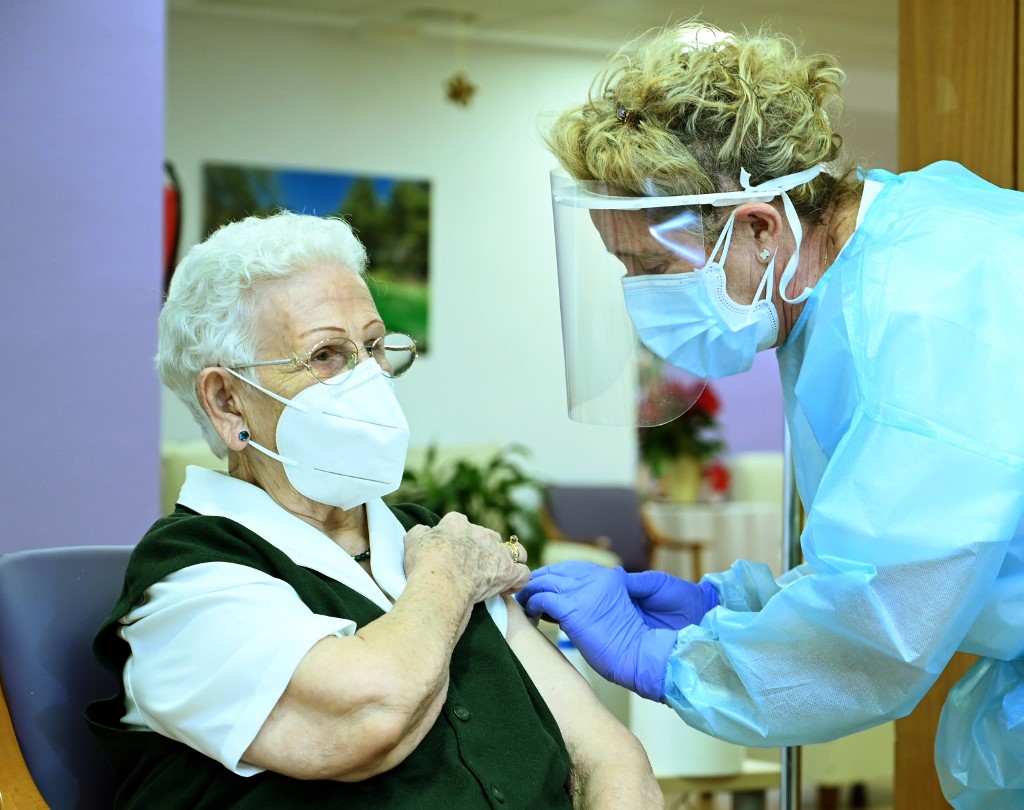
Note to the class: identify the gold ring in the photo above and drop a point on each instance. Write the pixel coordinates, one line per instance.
(513, 546)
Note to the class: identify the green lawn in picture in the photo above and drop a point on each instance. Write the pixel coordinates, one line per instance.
(391, 217)
(402, 306)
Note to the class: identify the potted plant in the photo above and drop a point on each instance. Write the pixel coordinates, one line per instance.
(677, 454)
(495, 493)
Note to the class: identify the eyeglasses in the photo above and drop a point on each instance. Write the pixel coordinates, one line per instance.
(331, 358)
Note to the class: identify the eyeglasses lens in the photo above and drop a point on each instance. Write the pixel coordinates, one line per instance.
(332, 358)
(329, 360)
(395, 352)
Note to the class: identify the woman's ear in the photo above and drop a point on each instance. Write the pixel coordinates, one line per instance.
(764, 221)
(216, 391)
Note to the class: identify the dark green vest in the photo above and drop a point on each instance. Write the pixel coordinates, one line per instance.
(495, 744)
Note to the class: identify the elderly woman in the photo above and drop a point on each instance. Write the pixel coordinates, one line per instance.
(287, 640)
(705, 205)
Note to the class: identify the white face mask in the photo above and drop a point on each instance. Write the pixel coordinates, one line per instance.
(689, 320)
(342, 444)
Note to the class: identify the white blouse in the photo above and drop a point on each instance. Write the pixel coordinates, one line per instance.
(214, 645)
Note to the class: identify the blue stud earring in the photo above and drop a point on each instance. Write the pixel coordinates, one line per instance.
(244, 435)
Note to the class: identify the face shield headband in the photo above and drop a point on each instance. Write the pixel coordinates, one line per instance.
(601, 235)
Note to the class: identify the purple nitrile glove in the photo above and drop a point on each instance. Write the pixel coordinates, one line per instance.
(591, 604)
(667, 601)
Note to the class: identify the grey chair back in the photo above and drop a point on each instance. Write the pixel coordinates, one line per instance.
(583, 512)
(52, 602)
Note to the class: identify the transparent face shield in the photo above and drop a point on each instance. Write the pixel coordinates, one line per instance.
(601, 236)
(611, 377)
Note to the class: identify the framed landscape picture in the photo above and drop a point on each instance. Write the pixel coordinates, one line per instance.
(391, 216)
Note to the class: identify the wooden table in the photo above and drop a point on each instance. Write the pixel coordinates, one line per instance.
(690, 539)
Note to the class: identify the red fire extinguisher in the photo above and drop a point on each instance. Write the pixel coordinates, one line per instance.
(172, 222)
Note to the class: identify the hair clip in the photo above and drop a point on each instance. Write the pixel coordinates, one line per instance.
(629, 116)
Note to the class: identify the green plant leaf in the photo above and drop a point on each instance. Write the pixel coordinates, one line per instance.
(496, 492)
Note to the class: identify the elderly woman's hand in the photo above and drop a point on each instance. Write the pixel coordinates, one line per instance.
(470, 554)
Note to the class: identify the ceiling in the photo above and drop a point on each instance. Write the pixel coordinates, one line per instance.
(861, 33)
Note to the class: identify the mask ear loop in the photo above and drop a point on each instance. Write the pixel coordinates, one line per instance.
(287, 402)
(794, 260)
(724, 238)
(789, 181)
(764, 287)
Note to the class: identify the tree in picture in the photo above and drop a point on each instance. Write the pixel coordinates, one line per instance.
(390, 216)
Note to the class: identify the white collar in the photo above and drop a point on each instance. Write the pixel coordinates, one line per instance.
(213, 493)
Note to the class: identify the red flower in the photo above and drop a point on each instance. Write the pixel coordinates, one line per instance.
(684, 423)
(708, 401)
(718, 477)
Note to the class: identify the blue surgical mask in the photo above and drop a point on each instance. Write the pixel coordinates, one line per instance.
(689, 320)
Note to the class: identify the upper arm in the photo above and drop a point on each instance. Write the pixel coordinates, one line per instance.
(231, 662)
(213, 647)
(590, 731)
(346, 715)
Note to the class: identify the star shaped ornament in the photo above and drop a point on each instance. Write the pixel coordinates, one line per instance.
(459, 89)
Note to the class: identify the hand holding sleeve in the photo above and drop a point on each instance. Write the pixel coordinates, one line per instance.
(591, 604)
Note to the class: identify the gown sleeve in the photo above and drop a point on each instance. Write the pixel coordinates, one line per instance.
(906, 536)
(922, 495)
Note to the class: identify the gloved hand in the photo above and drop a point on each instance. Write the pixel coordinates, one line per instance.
(592, 605)
(667, 601)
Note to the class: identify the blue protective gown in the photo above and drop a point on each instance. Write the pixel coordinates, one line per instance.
(904, 391)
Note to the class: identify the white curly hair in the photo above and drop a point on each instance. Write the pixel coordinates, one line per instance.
(208, 317)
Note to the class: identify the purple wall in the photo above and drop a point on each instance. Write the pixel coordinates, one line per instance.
(752, 411)
(81, 149)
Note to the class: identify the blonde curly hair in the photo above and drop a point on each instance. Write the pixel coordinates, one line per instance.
(682, 109)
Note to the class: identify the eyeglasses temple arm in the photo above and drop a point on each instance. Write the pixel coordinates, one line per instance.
(263, 363)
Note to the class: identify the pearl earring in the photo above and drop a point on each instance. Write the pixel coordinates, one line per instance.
(244, 435)
(764, 254)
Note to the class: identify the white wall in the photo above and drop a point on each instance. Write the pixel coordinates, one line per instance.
(300, 97)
